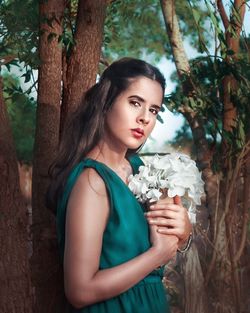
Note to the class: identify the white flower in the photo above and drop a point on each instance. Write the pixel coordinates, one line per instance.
(153, 195)
(175, 172)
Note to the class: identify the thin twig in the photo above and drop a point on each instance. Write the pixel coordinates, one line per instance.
(7, 59)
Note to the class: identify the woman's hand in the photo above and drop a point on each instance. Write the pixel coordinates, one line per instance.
(165, 245)
(171, 218)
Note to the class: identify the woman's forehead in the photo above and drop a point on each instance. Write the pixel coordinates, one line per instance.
(145, 88)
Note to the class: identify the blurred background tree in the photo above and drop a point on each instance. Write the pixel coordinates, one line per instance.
(22, 112)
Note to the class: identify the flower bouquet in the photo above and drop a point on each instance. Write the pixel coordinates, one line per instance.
(173, 174)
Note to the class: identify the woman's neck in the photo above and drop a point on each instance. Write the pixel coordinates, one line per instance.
(105, 153)
(113, 158)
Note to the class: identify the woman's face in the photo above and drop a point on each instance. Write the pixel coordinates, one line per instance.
(133, 114)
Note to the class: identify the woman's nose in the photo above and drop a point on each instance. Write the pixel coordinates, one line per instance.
(144, 118)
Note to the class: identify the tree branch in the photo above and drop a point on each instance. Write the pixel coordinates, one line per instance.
(223, 13)
(173, 30)
(241, 6)
(237, 18)
(196, 125)
(7, 59)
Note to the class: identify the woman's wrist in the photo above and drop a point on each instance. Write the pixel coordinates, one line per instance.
(158, 256)
(185, 245)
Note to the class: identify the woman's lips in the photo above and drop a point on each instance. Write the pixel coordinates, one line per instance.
(137, 132)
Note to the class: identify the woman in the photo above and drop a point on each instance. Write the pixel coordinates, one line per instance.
(112, 250)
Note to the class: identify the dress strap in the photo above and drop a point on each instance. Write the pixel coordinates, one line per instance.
(135, 162)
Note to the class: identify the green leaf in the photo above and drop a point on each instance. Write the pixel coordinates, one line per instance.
(159, 118)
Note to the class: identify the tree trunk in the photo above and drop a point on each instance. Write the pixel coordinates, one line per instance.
(81, 73)
(242, 250)
(197, 304)
(232, 34)
(224, 195)
(204, 155)
(15, 290)
(231, 230)
(46, 271)
(83, 63)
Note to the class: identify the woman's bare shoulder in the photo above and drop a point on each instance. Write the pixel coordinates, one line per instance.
(88, 201)
(91, 182)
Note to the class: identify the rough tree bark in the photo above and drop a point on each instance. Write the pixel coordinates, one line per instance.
(82, 65)
(45, 266)
(80, 74)
(15, 290)
(233, 28)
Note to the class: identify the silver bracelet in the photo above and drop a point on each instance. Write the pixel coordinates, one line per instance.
(186, 248)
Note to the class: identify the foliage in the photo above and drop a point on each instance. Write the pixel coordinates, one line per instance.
(206, 101)
(207, 76)
(136, 28)
(22, 110)
(19, 42)
(19, 32)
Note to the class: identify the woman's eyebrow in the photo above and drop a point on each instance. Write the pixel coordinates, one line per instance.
(156, 106)
(137, 97)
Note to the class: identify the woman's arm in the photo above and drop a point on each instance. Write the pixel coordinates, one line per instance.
(87, 216)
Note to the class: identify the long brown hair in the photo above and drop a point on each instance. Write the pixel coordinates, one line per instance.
(86, 126)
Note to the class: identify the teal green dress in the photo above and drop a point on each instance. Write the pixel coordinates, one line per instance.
(125, 237)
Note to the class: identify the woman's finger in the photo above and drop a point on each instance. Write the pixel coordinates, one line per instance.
(169, 231)
(177, 200)
(173, 207)
(165, 214)
(158, 221)
(163, 222)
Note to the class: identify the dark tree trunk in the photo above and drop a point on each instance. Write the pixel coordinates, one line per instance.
(80, 75)
(15, 290)
(83, 62)
(46, 271)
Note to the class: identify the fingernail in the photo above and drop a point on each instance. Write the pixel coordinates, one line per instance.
(152, 206)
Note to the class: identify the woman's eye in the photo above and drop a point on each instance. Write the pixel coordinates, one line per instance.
(135, 103)
(154, 111)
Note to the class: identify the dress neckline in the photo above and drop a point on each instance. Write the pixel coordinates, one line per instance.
(113, 172)
(118, 177)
